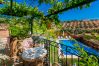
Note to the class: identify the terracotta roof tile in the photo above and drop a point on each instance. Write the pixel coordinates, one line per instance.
(84, 24)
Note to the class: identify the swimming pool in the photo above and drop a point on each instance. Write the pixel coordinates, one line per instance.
(70, 44)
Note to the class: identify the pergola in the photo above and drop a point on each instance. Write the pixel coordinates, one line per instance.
(31, 17)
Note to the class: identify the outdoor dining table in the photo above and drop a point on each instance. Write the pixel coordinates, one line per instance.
(34, 54)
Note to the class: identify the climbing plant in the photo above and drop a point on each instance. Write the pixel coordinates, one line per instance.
(42, 23)
(20, 10)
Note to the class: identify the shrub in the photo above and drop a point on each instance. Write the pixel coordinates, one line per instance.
(87, 60)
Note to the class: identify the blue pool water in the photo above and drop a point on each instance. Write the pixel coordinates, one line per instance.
(71, 43)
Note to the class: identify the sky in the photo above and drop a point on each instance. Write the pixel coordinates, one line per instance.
(91, 12)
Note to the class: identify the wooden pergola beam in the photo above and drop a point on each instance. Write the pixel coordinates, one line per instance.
(71, 7)
(65, 9)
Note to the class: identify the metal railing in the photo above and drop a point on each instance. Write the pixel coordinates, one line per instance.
(68, 56)
(56, 55)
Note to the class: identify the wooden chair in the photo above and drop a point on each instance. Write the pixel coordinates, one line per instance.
(15, 49)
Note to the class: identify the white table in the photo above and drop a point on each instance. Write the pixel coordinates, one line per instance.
(34, 53)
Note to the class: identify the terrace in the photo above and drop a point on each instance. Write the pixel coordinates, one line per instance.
(36, 39)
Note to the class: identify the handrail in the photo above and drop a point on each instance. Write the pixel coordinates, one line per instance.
(54, 55)
(73, 48)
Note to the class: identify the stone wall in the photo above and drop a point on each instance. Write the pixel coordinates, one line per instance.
(4, 36)
(4, 33)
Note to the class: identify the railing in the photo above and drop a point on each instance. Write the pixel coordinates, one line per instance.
(68, 56)
(55, 55)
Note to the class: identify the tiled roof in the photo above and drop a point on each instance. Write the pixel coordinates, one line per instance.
(84, 24)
